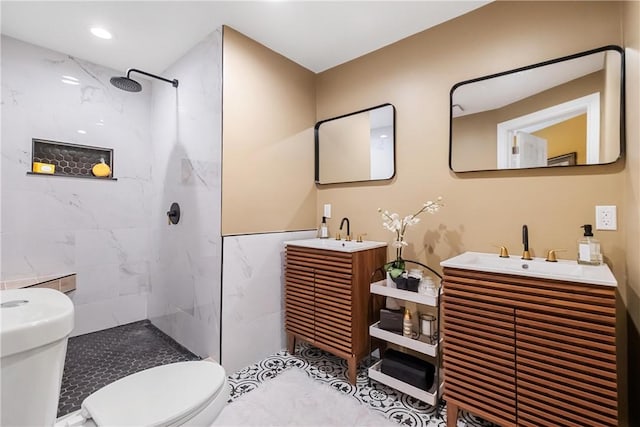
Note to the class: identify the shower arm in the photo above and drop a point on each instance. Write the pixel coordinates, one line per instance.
(174, 82)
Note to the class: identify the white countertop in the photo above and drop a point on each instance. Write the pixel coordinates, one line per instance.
(336, 245)
(566, 270)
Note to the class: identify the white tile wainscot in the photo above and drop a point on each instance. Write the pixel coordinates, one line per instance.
(428, 396)
(253, 296)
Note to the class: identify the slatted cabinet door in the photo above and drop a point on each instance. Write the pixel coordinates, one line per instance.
(479, 353)
(333, 321)
(299, 296)
(566, 370)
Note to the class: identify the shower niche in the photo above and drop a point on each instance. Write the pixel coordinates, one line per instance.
(54, 158)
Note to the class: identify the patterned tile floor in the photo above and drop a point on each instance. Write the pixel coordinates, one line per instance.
(327, 368)
(97, 359)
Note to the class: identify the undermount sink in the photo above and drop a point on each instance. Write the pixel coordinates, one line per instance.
(537, 267)
(337, 245)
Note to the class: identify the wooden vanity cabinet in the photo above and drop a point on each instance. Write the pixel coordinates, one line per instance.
(326, 300)
(521, 351)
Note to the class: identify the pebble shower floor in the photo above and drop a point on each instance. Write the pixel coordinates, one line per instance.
(97, 359)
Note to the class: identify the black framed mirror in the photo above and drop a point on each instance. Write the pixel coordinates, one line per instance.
(562, 112)
(356, 147)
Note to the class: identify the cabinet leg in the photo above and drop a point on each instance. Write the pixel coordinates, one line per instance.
(352, 371)
(291, 343)
(452, 414)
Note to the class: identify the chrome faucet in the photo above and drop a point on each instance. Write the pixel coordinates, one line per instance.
(348, 238)
(525, 241)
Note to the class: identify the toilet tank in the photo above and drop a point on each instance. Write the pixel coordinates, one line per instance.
(34, 328)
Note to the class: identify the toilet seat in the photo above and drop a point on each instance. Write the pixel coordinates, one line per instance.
(162, 396)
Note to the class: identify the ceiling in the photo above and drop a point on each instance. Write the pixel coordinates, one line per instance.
(151, 35)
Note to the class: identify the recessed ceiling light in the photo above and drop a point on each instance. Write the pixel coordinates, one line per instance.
(101, 33)
(82, 132)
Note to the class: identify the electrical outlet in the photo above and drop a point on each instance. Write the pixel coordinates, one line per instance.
(327, 210)
(606, 218)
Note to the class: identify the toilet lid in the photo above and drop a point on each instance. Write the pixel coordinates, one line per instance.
(158, 396)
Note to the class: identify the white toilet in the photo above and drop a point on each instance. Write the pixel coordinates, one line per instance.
(35, 325)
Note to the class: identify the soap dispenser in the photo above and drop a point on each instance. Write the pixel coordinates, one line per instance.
(589, 248)
(323, 230)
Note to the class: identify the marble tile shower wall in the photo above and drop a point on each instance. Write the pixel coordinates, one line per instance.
(99, 229)
(186, 130)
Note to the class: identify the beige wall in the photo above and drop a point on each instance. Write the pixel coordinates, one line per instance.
(267, 150)
(631, 212)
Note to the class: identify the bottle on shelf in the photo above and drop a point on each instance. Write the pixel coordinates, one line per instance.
(427, 286)
(407, 324)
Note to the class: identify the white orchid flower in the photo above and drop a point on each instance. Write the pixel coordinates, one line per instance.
(393, 223)
(392, 226)
(410, 220)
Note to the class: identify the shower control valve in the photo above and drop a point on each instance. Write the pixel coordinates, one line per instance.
(173, 214)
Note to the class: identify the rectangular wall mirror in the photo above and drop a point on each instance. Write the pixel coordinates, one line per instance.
(563, 112)
(356, 147)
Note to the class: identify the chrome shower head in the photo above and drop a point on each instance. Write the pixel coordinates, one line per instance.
(130, 85)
